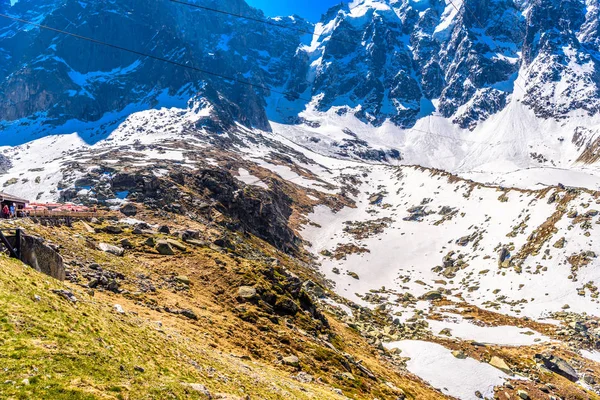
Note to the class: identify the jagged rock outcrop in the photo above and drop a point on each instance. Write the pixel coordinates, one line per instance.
(380, 60)
(261, 212)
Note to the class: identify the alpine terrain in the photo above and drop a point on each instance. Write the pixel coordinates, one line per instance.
(401, 201)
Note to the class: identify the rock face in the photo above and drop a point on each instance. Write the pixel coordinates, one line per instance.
(263, 213)
(380, 60)
(42, 257)
(69, 79)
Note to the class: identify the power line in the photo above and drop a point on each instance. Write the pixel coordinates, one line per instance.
(191, 67)
(142, 54)
(259, 20)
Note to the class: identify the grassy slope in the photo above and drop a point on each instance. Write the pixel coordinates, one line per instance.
(88, 351)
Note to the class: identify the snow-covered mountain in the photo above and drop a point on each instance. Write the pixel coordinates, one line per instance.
(412, 148)
(381, 60)
(458, 85)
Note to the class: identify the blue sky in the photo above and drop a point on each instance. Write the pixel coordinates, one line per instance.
(309, 9)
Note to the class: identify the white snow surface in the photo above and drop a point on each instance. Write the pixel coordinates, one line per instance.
(497, 335)
(459, 378)
(591, 355)
(403, 255)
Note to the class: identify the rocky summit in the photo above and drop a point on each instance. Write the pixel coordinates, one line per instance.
(398, 201)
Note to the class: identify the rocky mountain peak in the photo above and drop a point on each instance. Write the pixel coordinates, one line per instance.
(378, 60)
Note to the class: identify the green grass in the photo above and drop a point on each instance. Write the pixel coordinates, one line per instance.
(87, 351)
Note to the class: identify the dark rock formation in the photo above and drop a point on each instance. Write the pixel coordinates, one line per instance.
(255, 210)
(43, 258)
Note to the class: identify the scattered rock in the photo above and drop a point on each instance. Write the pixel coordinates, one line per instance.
(523, 394)
(558, 366)
(137, 368)
(111, 249)
(66, 294)
(499, 363)
(246, 292)
(119, 309)
(129, 210)
(164, 248)
(291, 360)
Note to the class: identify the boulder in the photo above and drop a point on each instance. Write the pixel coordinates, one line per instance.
(432, 295)
(189, 234)
(558, 366)
(142, 226)
(178, 245)
(246, 292)
(164, 229)
(376, 198)
(560, 243)
(42, 257)
(459, 354)
(503, 255)
(66, 294)
(164, 248)
(183, 279)
(304, 377)
(189, 314)
(111, 249)
(353, 275)
(291, 360)
(128, 209)
(114, 229)
(197, 387)
(119, 309)
(499, 363)
(286, 305)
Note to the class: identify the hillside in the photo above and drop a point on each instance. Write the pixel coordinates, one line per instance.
(132, 339)
(403, 205)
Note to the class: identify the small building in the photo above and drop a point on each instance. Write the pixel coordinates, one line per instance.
(9, 200)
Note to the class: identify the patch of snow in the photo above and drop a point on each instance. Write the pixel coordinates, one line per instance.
(498, 335)
(460, 378)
